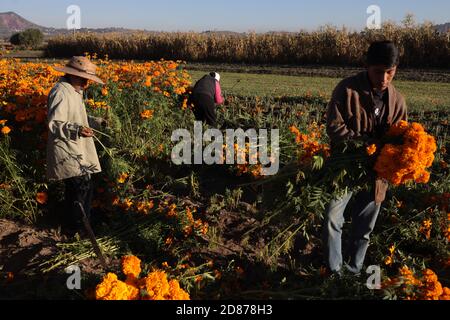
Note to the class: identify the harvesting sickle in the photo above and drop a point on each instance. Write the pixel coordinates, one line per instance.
(91, 235)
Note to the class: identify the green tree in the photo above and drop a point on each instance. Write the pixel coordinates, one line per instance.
(15, 39)
(28, 38)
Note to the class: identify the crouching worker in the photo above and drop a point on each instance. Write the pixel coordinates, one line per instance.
(362, 107)
(205, 95)
(71, 153)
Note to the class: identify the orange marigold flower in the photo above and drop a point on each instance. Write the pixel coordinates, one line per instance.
(408, 276)
(400, 164)
(172, 211)
(309, 144)
(388, 261)
(147, 114)
(392, 249)
(6, 130)
(294, 130)
(148, 81)
(169, 241)
(445, 294)
(185, 104)
(429, 276)
(398, 129)
(425, 229)
(122, 178)
(116, 201)
(131, 266)
(187, 231)
(156, 286)
(145, 207)
(9, 277)
(113, 289)
(175, 291)
(372, 149)
(127, 204)
(411, 288)
(431, 288)
(42, 198)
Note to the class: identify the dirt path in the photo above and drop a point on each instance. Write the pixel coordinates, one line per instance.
(23, 248)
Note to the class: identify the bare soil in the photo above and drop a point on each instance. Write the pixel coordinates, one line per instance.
(23, 248)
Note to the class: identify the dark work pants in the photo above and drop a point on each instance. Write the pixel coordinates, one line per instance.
(78, 189)
(205, 109)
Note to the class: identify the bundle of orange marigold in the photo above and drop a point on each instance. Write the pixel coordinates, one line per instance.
(155, 286)
(408, 286)
(408, 161)
(309, 144)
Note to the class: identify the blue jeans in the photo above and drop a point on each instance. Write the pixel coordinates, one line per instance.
(364, 216)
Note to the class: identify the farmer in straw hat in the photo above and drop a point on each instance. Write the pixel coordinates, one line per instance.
(71, 153)
(205, 95)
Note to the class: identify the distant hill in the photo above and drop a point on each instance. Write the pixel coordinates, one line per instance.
(444, 28)
(221, 33)
(11, 22)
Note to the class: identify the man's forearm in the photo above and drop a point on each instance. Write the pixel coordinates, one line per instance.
(65, 130)
(340, 134)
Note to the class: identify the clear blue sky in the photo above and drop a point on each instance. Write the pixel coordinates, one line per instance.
(233, 15)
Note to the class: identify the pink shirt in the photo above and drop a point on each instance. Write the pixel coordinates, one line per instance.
(218, 98)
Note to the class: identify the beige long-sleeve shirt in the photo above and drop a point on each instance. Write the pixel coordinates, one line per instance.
(68, 154)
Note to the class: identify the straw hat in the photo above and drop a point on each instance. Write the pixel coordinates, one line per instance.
(81, 67)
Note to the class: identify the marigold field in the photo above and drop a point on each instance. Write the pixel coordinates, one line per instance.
(209, 232)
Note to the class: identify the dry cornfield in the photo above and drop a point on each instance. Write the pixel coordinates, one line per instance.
(420, 45)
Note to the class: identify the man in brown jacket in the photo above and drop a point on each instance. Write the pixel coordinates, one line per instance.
(71, 153)
(362, 107)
